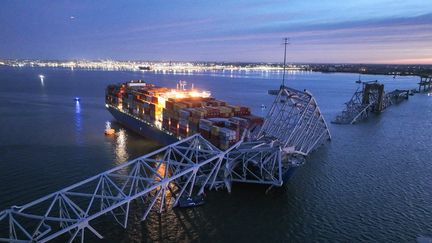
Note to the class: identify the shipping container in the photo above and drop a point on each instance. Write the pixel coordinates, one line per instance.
(217, 121)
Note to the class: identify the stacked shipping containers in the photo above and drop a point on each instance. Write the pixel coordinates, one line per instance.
(215, 120)
(219, 122)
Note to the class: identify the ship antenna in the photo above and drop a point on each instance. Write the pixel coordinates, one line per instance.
(284, 65)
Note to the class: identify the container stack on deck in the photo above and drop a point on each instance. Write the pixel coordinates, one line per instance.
(220, 123)
(114, 95)
(137, 98)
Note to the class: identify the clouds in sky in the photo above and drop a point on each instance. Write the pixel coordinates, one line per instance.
(365, 31)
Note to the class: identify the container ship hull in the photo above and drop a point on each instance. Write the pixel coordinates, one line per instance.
(167, 115)
(140, 127)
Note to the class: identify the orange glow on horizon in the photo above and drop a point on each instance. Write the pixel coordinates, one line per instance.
(421, 61)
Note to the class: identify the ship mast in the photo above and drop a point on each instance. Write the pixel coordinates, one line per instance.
(284, 65)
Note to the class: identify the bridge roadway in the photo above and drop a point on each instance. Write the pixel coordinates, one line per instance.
(293, 128)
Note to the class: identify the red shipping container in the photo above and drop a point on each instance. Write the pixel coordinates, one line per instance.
(154, 99)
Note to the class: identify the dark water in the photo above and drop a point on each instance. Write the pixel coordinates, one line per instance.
(371, 183)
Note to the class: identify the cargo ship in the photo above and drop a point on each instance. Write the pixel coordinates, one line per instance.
(169, 114)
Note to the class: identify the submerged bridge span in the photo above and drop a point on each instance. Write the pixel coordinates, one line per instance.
(161, 177)
(293, 128)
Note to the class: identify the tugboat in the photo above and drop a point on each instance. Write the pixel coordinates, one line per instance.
(108, 130)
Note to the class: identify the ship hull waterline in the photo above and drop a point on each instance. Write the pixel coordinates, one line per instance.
(141, 128)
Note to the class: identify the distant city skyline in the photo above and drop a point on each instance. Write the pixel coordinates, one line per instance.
(364, 31)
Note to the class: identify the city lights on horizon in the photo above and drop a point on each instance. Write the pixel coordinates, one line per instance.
(153, 66)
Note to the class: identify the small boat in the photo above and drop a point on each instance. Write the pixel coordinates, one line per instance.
(77, 99)
(144, 68)
(191, 201)
(108, 130)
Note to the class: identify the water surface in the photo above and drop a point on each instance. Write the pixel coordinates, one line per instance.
(372, 182)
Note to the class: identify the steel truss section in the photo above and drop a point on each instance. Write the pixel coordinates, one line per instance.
(293, 128)
(158, 179)
(363, 102)
(295, 122)
(254, 162)
(354, 110)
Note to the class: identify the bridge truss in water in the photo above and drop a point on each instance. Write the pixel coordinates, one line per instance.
(370, 99)
(293, 128)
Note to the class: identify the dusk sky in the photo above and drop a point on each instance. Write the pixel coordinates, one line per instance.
(367, 31)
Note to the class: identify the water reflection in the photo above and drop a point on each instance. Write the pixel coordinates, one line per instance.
(78, 125)
(42, 77)
(167, 226)
(120, 147)
(161, 171)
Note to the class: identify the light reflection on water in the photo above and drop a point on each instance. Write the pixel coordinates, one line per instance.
(78, 124)
(41, 77)
(120, 147)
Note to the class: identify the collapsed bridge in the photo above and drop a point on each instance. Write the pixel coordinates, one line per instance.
(293, 128)
(371, 98)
